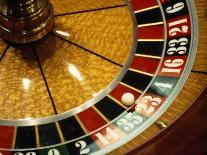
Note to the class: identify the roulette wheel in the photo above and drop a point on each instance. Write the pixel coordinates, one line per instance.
(99, 76)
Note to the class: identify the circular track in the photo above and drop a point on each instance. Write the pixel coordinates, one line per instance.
(107, 71)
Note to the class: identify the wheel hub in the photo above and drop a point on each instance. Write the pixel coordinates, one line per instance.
(23, 21)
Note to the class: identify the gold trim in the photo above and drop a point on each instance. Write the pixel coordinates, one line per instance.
(81, 124)
(62, 138)
(148, 56)
(158, 40)
(37, 136)
(147, 9)
(138, 71)
(106, 119)
(14, 137)
(151, 24)
(139, 91)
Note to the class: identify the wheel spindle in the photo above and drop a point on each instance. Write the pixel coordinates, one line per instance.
(23, 21)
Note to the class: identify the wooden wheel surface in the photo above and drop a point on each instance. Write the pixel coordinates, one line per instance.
(105, 79)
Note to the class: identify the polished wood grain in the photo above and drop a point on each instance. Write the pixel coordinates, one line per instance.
(23, 94)
(200, 62)
(96, 43)
(108, 33)
(74, 75)
(69, 6)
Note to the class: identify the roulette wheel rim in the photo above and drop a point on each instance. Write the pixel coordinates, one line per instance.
(152, 119)
(176, 91)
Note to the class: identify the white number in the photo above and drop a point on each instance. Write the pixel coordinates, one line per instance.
(180, 50)
(174, 31)
(153, 101)
(181, 29)
(28, 153)
(148, 109)
(177, 7)
(18, 153)
(172, 64)
(110, 134)
(145, 108)
(82, 145)
(53, 152)
(129, 121)
(178, 22)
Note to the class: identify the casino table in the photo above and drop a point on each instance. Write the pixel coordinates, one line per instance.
(103, 77)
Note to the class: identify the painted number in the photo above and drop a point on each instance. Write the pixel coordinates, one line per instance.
(175, 8)
(148, 104)
(28, 153)
(173, 66)
(129, 121)
(110, 136)
(179, 50)
(31, 153)
(180, 27)
(18, 153)
(83, 147)
(53, 152)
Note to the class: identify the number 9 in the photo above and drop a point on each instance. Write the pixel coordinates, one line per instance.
(177, 7)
